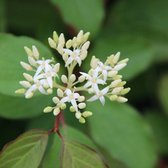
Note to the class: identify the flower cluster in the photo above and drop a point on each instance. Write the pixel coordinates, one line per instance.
(101, 81)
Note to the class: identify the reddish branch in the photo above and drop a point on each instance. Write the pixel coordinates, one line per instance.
(59, 119)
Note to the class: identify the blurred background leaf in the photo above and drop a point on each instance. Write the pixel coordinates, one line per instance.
(88, 15)
(2, 15)
(138, 29)
(159, 124)
(11, 53)
(123, 133)
(163, 92)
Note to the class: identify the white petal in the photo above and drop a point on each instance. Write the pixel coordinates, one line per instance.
(102, 100)
(69, 61)
(78, 61)
(50, 81)
(42, 90)
(76, 95)
(74, 104)
(119, 66)
(100, 81)
(65, 99)
(105, 90)
(32, 88)
(40, 76)
(93, 98)
(39, 69)
(87, 84)
(68, 92)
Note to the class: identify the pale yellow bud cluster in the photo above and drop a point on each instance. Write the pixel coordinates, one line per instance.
(74, 51)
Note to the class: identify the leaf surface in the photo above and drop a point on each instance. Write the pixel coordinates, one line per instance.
(26, 151)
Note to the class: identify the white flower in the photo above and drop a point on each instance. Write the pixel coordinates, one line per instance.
(48, 76)
(44, 66)
(72, 56)
(37, 85)
(100, 95)
(71, 97)
(104, 69)
(93, 80)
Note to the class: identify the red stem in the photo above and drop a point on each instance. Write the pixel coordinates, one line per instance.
(58, 119)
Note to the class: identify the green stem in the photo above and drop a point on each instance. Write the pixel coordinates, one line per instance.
(56, 85)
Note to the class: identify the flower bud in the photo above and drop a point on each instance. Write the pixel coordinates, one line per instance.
(69, 44)
(20, 91)
(81, 98)
(82, 105)
(32, 61)
(72, 78)
(55, 36)
(112, 73)
(72, 109)
(57, 67)
(61, 39)
(77, 115)
(64, 79)
(86, 36)
(116, 57)
(55, 100)
(118, 67)
(56, 111)
(117, 90)
(28, 51)
(49, 91)
(51, 43)
(115, 83)
(29, 95)
(113, 97)
(28, 77)
(81, 79)
(82, 120)
(85, 45)
(26, 66)
(122, 99)
(87, 114)
(63, 106)
(35, 52)
(125, 91)
(60, 93)
(25, 84)
(48, 109)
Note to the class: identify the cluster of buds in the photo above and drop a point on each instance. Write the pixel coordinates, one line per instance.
(101, 81)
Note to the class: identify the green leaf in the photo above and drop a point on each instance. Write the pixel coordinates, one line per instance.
(11, 53)
(163, 92)
(121, 131)
(81, 156)
(145, 17)
(134, 47)
(18, 107)
(142, 15)
(86, 15)
(52, 156)
(26, 151)
(159, 124)
(2, 15)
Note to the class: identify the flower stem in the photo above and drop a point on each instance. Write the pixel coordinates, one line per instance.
(58, 119)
